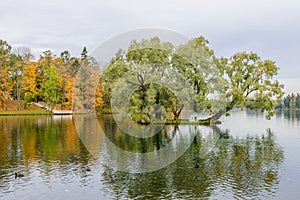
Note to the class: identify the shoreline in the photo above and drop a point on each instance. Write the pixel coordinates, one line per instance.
(32, 113)
(45, 113)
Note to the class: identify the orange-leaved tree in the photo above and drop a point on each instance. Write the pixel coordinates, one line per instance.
(5, 85)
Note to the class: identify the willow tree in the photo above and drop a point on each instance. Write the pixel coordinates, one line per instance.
(173, 78)
(143, 64)
(149, 60)
(195, 61)
(250, 83)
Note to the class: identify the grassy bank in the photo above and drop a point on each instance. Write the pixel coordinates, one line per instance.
(11, 108)
(24, 112)
(204, 122)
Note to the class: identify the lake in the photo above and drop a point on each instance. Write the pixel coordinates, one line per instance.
(65, 157)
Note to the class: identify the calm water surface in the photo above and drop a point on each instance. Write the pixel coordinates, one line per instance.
(252, 158)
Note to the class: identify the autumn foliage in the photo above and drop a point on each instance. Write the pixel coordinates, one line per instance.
(51, 79)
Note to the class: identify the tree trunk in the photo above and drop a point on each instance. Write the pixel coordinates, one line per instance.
(215, 117)
(177, 114)
(157, 113)
(19, 94)
(212, 120)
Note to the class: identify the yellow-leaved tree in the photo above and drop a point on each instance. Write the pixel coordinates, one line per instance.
(29, 83)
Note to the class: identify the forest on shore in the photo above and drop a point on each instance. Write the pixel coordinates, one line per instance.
(50, 79)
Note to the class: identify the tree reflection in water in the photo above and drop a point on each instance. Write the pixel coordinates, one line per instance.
(245, 168)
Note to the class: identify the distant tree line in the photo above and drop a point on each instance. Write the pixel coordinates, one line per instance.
(291, 101)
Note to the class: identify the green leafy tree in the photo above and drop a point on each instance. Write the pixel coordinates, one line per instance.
(298, 100)
(293, 101)
(148, 58)
(111, 74)
(49, 81)
(84, 54)
(286, 101)
(49, 86)
(6, 84)
(65, 56)
(250, 83)
(5, 52)
(195, 61)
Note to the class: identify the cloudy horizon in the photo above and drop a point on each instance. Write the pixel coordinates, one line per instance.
(269, 28)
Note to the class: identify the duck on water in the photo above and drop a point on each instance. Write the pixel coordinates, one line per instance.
(19, 175)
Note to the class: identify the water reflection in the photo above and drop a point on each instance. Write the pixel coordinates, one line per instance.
(291, 115)
(49, 152)
(39, 147)
(124, 152)
(246, 167)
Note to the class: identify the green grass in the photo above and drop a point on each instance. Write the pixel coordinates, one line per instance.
(178, 121)
(24, 112)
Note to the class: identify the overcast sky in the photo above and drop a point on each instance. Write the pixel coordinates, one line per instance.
(269, 27)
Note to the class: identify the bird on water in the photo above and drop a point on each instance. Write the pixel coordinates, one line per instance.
(19, 175)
